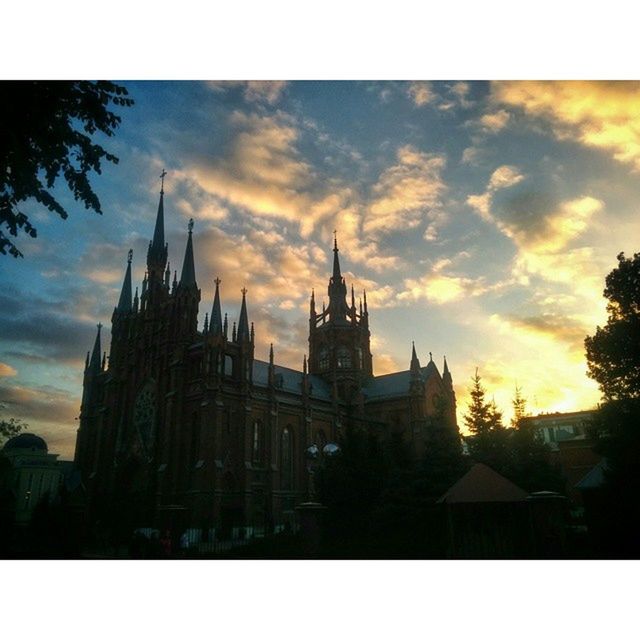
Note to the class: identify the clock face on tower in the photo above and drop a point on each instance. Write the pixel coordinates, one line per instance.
(144, 416)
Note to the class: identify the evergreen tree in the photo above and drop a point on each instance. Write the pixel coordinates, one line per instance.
(478, 417)
(519, 408)
(495, 417)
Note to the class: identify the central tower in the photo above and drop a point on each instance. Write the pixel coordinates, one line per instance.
(339, 337)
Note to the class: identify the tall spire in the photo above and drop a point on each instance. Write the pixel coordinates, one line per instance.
(158, 232)
(337, 276)
(415, 363)
(338, 309)
(157, 253)
(446, 374)
(96, 354)
(243, 323)
(188, 276)
(215, 324)
(124, 304)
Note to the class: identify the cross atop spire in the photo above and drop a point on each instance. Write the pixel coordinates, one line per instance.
(157, 253)
(162, 175)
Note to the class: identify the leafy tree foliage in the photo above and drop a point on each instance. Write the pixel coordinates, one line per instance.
(47, 133)
(613, 353)
(10, 427)
(613, 357)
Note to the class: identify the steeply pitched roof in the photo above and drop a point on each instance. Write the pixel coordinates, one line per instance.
(483, 484)
(289, 380)
(394, 384)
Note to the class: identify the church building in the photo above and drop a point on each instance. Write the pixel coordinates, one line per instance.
(183, 427)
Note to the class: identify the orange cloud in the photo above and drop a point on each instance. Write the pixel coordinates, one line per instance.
(407, 192)
(420, 93)
(7, 371)
(269, 91)
(602, 115)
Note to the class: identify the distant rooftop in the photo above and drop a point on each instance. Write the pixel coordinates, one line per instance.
(483, 484)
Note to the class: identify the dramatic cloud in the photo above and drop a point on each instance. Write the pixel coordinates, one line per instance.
(269, 91)
(540, 226)
(494, 122)
(420, 93)
(603, 115)
(441, 289)
(506, 274)
(6, 370)
(43, 329)
(407, 192)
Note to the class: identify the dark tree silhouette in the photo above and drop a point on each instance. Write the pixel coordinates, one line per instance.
(613, 357)
(519, 404)
(10, 427)
(46, 132)
(478, 417)
(516, 453)
(613, 353)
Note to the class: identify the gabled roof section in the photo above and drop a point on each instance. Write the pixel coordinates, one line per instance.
(289, 380)
(395, 384)
(483, 484)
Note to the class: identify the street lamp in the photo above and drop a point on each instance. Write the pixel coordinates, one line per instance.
(316, 459)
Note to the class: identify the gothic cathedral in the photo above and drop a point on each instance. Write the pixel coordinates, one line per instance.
(186, 428)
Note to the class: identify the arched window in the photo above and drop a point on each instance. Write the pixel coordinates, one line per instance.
(257, 448)
(228, 366)
(360, 358)
(286, 458)
(323, 358)
(344, 358)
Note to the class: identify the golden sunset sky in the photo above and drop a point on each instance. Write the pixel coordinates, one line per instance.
(480, 217)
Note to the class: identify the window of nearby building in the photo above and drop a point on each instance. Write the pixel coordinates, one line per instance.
(323, 358)
(286, 458)
(343, 358)
(257, 455)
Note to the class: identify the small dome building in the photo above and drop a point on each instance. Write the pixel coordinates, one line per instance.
(29, 474)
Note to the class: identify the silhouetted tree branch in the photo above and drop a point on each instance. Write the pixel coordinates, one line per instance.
(46, 132)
